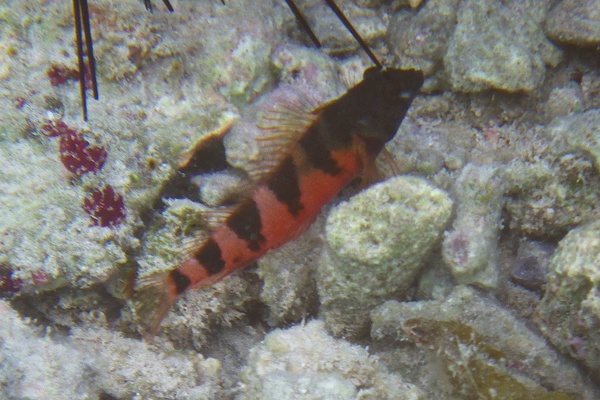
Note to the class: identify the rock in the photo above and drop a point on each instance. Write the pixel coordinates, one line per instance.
(471, 248)
(569, 314)
(500, 336)
(498, 46)
(564, 101)
(305, 363)
(575, 22)
(581, 132)
(377, 244)
(423, 48)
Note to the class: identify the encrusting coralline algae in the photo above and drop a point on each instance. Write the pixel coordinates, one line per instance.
(512, 172)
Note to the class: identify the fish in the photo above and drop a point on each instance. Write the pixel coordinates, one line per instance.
(312, 155)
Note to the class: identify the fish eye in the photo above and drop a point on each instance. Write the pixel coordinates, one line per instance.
(405, 94)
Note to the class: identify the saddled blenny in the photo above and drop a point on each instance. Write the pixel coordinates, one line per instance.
(85, 43)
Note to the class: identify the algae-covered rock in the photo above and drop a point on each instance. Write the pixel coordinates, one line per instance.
(478, 369)
(305, 363)
(581, 133)
(127, 368)
(47, 240)
(569, 314)
(500, 46)
(482, 344)
(575, 22)
(94, 362)
(377, 243)
(423, 48)
(471, 248)
(33, 366)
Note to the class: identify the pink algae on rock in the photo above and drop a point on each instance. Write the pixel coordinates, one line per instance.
(78, 156)
(76, 153)
(105, 207)
(59, 74)
(56, 128)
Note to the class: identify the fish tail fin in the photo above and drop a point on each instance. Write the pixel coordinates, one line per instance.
(153, 298)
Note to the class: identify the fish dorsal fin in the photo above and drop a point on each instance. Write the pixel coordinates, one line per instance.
(281, 127)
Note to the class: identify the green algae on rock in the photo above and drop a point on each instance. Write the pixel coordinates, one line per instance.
(569, 314)
(423, 48)
(476, 368)
(528, 356)
(377, 244)
(43, 217)
(306, 363)
(557, 186)
(93, 362)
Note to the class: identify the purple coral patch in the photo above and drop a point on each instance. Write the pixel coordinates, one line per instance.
(76, 153)
(55, 128)
(105, 207)
(78, 156)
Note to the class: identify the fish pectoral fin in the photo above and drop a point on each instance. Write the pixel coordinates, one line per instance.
(191, 244)
(370, 175)
(388, 158)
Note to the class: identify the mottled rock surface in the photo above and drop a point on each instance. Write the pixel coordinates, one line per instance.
(569, 314)
(305, 363)
(377, 243)
(575, 22)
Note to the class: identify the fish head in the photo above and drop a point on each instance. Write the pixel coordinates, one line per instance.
(380, 102)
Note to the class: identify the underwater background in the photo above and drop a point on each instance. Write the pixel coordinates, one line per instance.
(473, 274)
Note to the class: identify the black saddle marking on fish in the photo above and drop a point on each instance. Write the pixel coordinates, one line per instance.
(246, 224)
(182, 282)
(286, 187)
(317, 153)
(211, 257)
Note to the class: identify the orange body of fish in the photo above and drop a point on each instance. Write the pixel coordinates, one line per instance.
(332, 145)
